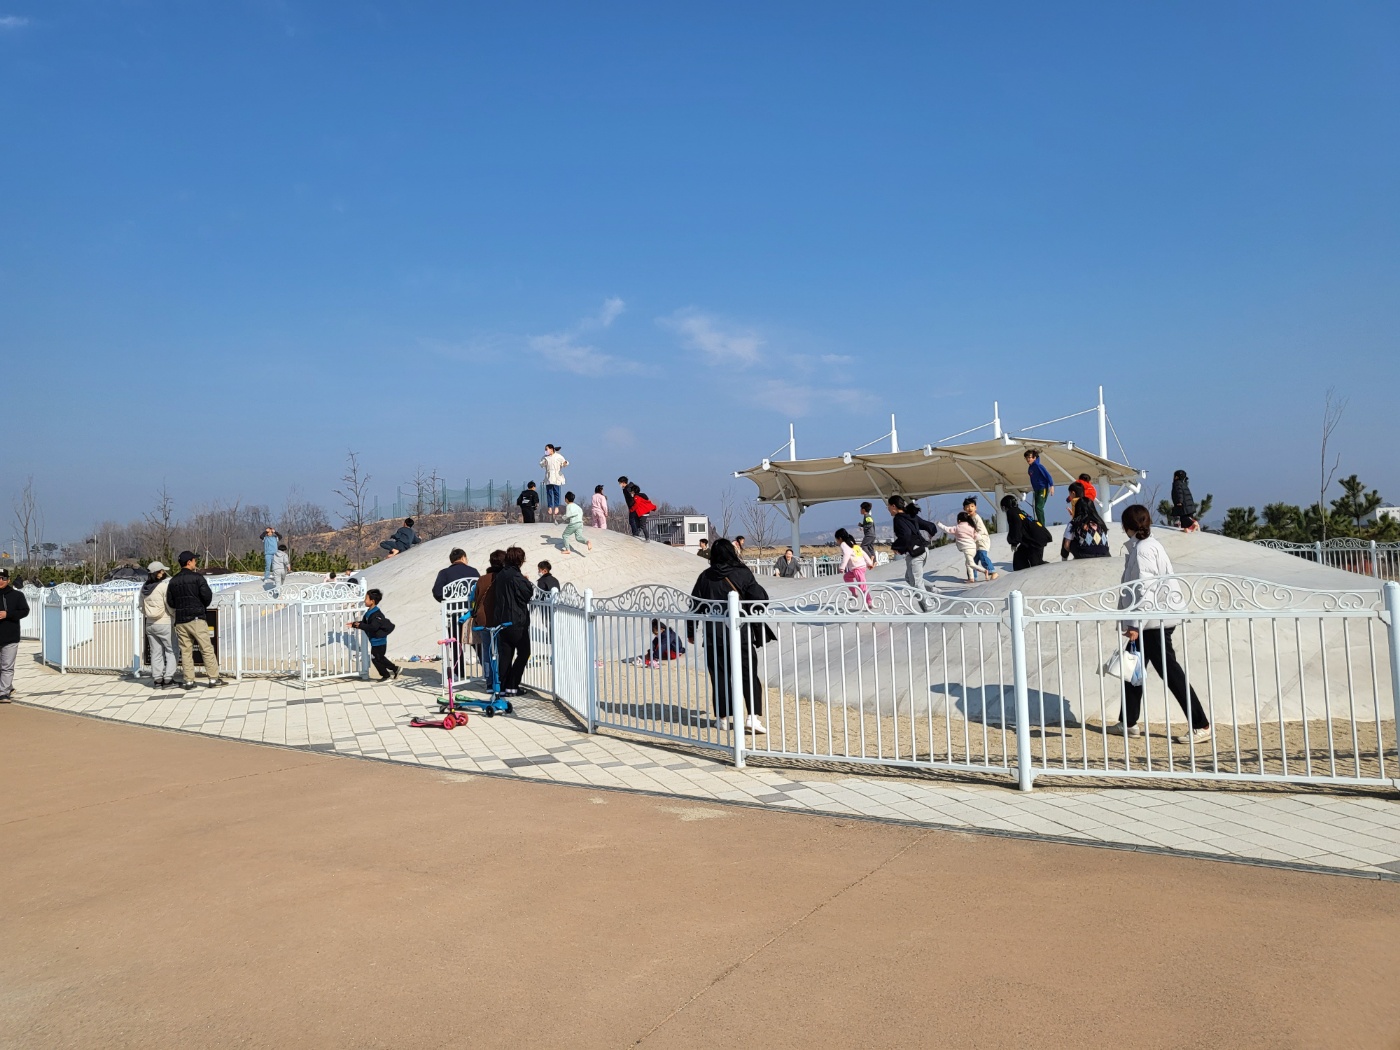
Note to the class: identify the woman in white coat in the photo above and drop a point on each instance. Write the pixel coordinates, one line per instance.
(1146, 591)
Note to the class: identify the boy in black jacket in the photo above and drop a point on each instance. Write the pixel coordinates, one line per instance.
(377, 627)
(527, 501)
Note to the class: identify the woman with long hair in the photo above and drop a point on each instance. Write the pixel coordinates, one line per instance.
(1086, 536)
(726, 574)
(1148, 586)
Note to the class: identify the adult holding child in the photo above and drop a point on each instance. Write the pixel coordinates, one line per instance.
(553, 464)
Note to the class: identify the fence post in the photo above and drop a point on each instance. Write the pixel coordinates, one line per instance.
(1375, 562)
(446, 630)
(300, 607)
(591, 649)
(1392, 608)
(237, 635)
(736, 679)
(1016, 607)
(138, 624)
(1317, 551)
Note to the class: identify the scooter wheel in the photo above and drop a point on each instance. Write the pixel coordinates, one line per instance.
(449, 721)
(489, 712)
(510, 708)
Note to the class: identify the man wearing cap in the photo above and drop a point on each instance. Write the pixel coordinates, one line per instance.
(189, 599)
(13, 609)
(160, 638)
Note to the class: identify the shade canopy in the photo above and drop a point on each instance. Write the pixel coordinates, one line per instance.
(980, 466)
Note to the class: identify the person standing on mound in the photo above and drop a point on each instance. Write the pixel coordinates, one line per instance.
(1183, 503)
(573, 526)
(553, 464)
(726, 575)
(528, 501)
(1086, 535)
(909, 541)
(984, 539)
(1042, 484)
(599, 508)
(1028, 537)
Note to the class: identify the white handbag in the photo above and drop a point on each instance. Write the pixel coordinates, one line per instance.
(1125, 664)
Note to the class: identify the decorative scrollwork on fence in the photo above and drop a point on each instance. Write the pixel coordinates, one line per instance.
(567, 595)
(658, 598)
(1180, 596)
(886, 599)
(463, 590)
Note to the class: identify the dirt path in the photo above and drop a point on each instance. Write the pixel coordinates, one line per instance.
(164, 890)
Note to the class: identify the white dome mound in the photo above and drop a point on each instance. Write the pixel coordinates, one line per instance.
(616, 563)
(1244, 670)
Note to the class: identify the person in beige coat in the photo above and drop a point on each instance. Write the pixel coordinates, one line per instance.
(160, 625)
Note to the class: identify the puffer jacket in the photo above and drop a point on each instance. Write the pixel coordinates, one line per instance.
(1183, 503)
(16, 608)
(154, 605)
(188, 596)
(1149, 585)
(715, 584)
(511, 594)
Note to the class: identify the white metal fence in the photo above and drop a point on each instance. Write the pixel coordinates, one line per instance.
(1380, 561)
(1297, 685)
(810, 568)
(298, 633)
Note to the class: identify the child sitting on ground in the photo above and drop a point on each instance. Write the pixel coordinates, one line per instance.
(854, 562)
(377, 628)
(964, 535)
(666, 644)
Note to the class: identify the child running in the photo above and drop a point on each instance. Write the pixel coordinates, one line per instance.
(984, 540)
(573, 526)
(377, 627)
(854, 563)
(964, 535)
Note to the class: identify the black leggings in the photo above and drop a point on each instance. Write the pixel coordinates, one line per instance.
(512, 653)
(1155, 644)
(379, 656)
(717, 663)
(1027, 554)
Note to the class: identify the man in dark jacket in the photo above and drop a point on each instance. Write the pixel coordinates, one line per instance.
(457, 569)
(1183, 503)
(403, 538)
(528, 501)
(1028, 537)
(14, 607)
(512, 593)
(189, 599)
(909, 541)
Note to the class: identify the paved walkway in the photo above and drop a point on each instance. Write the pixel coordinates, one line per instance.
(1356, 834)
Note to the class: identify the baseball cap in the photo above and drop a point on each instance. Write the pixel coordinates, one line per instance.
(184, 557)
(156, 566)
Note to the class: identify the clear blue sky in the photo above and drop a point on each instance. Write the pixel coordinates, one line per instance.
(237, 239)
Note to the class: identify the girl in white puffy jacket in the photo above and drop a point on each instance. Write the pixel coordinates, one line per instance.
(964, 535)
(1157, 600)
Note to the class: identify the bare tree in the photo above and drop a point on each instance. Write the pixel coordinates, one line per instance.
(1333, 408)
(354, 495)
(423, 494)
(759, 525)
(726, 511)
(300, 517)
(29, 518)
(160, 525)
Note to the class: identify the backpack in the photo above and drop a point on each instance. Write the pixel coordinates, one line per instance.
(1088, 539)
(641, 506)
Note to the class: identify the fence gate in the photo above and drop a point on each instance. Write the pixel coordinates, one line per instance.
(328, 648)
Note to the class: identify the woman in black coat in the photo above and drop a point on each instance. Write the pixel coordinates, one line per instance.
(1087, 535)
(511, 593)
(726, 574)
(1183, 503)
(1028, 537)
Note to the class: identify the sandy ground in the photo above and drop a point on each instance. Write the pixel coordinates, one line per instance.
(164, 890)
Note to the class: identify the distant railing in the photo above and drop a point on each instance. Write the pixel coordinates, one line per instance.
(809, 568)
(1380, 561)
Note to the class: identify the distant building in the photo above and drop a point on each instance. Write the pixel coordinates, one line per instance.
(1385, 514)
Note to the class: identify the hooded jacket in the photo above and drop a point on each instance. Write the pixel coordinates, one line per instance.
(281, 564)
(1023, 530)
(1183, 504)
(907, 529)
(714, 584)
(188, 596)
(16, 607)
(511, 594)
(1146, 590)
(154, 605)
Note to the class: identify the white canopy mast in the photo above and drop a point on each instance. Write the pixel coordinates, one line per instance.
(990, 467)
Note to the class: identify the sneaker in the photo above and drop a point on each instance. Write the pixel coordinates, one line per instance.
(1119, 729)
(754, 724)
(187, 686)
(6, 699)
(214, 684)
(726, 722)
(1196, 736)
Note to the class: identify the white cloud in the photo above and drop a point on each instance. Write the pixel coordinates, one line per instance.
(619, 437)
(700, 331)
(13, 22)
(611, 311)
(563, 353)
(795, 399)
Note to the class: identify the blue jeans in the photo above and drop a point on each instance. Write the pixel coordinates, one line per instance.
(985, 560)
(267, 565)
(554, 495)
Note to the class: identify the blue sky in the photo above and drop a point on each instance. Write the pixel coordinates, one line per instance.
(237, 239)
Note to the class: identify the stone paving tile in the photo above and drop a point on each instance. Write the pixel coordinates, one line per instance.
(1354, 834)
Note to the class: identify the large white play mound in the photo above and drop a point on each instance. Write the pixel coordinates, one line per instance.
(616, 563)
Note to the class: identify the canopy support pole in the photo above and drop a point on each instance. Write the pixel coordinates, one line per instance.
(794, 514)
(894, 435)
(996, 420)
(1002, 523)
(792, 442)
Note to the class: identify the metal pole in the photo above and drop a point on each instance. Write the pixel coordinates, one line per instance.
(894, 435)
(794, 512)
(1103, 427)
(1392, 608)
(1375, 561)
(792, 441)
(1002, 523)
(237, 635)
(1105, 498)
(996, 420)
(137, 631)
(1016, 608)
(736, 680)
(591, 645)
